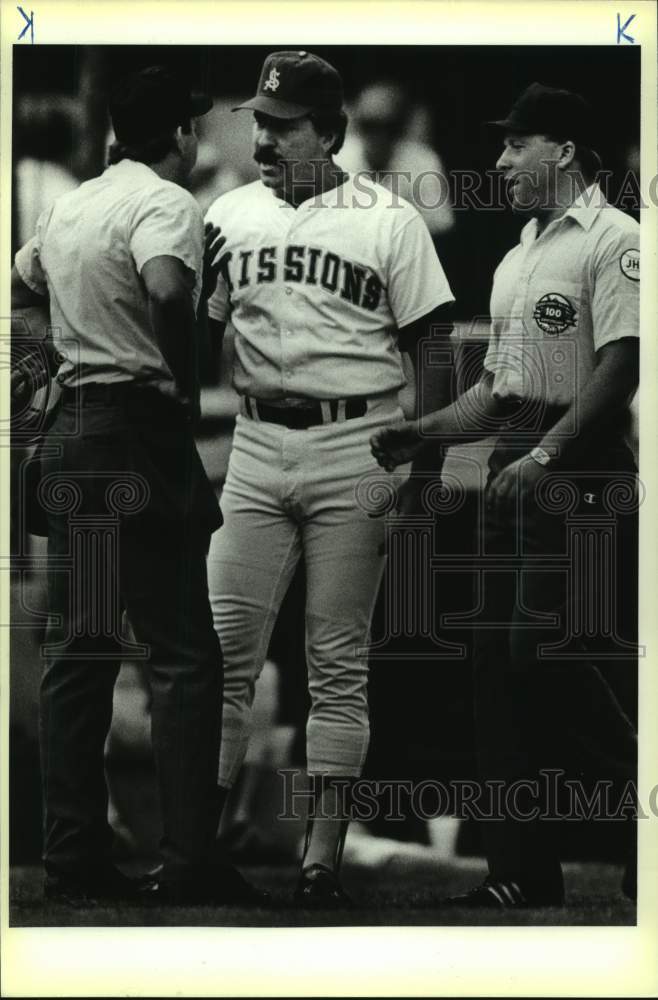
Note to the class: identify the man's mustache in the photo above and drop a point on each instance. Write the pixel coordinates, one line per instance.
(266, 156)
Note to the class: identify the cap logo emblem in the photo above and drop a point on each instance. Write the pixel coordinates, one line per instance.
(272, 82)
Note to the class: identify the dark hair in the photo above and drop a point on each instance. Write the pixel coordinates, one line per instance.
(150, 151)
(325, 122)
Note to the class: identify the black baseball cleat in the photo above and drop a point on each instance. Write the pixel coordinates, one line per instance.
(502, 894)
(216, 885)
(94, 886)
(319, 889)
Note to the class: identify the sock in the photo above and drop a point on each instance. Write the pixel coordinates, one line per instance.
(327, 827)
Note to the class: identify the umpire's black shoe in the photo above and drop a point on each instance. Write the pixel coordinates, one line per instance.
(503, 894)
(319, 889)
(91, 887)
(216, 885)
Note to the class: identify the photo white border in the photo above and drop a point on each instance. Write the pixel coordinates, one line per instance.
(386, 961)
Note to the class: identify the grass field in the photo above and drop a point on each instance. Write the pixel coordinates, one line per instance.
(400, 893)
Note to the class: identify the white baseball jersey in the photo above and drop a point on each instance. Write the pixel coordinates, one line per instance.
(559, 296)
(317, 294)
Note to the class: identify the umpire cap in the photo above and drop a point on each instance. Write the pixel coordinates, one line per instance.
(151, 102)
(293, 84)
(544, 110)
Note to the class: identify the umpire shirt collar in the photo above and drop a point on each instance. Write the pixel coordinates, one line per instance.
(584, 210)
(130, 168)
(587, 206)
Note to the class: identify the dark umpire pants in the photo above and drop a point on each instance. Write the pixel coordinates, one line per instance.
(547, 579)
(130, 513)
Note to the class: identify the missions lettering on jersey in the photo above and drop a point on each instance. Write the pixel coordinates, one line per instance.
(304, 264)
(317, 294)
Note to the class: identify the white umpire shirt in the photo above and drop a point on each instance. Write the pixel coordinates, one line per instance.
(87, 254)
(317, 294)
(559, 296)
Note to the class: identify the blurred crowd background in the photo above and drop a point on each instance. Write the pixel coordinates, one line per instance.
(418, 109)
(410, 107)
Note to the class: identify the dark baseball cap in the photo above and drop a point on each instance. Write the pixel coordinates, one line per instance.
(151, 102)
(293, 84)
(544, 110)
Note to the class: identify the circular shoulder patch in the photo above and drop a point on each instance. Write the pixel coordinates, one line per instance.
(629, 263)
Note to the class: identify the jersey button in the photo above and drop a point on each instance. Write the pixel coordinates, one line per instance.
(288, 291)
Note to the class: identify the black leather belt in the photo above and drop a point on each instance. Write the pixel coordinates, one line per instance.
(299, 418)
(125, 392)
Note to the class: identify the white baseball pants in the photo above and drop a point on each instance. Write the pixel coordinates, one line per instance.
(292, 494)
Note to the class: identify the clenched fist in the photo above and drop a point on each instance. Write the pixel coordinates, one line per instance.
(398, 444)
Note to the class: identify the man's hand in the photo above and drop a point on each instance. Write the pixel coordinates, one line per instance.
(212, 262)
(20, 384)
(398, 444)
(513, 484)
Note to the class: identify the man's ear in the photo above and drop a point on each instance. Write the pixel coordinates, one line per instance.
(567, 155)
(182, 135)
(327, 140)
(178, 136)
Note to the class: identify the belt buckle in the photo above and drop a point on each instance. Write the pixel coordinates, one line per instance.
(356, 407)
(305, 417)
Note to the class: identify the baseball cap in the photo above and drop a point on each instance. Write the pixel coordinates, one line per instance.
(293, 84)
(152, 101)
(544, 110)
